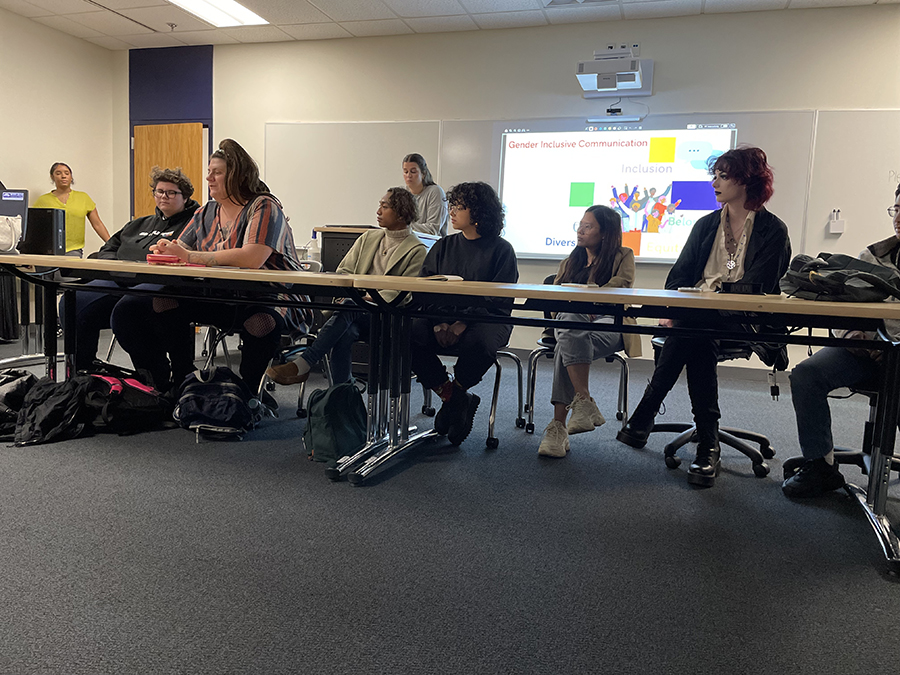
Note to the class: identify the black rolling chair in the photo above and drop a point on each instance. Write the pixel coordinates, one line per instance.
(492, 441)
(739, 439)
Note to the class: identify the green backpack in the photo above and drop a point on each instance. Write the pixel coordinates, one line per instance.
(336, 425)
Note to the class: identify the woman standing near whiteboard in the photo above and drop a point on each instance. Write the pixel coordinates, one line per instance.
(76, 204)
(430, 198)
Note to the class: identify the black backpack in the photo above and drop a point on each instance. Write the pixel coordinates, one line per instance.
(336, 425)
(216, 404)
(124, 405)
(14, 386)
(53, 411)
(839, 277)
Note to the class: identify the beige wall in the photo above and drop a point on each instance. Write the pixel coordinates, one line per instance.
(57, 107)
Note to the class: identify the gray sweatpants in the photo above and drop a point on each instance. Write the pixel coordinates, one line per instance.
(579, 346)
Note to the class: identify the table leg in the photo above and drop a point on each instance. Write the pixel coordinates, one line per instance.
(69, 336)
(50, 320)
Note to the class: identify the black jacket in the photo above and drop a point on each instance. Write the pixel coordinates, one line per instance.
(133, 241)
(767, 258)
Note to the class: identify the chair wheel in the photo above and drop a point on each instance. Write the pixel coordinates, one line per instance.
(426, 410)
(270, 386)
(520, 423)
(529, 428)
(492, 443)
(301, 413)
(767, 451)
(761, 470)
(620, 416)
(673, 462)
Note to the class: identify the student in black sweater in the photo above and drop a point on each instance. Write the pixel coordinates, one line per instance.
(742, 241)
(475, 253)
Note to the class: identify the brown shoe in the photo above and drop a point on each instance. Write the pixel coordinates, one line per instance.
(286, 373)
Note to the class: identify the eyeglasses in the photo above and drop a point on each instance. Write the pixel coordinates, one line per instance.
(166, 193)
(893, 210)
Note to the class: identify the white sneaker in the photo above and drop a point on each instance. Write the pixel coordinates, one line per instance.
(585, 415)
(555, 442)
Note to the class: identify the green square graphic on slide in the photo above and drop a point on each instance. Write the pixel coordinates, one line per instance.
(581, 194)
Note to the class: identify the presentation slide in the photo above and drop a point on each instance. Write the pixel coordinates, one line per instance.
(657, 180)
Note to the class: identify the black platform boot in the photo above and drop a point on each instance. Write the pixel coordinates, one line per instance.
(705, 466)
(637, 430)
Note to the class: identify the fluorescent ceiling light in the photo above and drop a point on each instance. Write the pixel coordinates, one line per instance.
(221, 13)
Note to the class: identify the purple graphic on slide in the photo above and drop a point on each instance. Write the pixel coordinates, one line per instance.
(695, 195)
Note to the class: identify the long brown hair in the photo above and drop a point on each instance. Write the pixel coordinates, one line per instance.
(577, 271)
(242, 181)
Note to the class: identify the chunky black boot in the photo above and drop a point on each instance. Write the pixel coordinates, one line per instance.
(637, 430)
(705, 466)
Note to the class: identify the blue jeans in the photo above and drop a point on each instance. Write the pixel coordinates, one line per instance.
(811, 381)
(337, 336)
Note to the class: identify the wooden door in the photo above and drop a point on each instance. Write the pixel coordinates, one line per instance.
(167, 146)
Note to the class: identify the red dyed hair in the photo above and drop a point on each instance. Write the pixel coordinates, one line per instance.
(749, 167)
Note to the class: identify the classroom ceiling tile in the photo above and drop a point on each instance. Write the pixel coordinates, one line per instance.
(511, 19)
(805, 4)
(442, 24)
(109, 23)
(494, 6)
(23, 8)
(371, 28)
(205, 37)
(66, 6)
(285, 11)
(581, 13)
(257, 34)
(129, 4)
(354, 10)
(159, 18)
(111, 43)
(715, 6)
(660, 8)
(148, 40)
(316, 31)
(63, 24)
(425, 8)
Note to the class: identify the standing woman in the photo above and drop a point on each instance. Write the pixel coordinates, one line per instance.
(599, 259)
(742, 241)
(76, 204)
(430, 198)
(241, 226)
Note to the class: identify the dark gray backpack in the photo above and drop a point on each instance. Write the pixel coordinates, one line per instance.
(839, 277)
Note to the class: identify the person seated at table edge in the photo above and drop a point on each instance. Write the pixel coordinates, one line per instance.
(393, 250)
(742, 241)
(172, 191)
(242, 225)
(831, 368)
(476, 252)
(598, 259)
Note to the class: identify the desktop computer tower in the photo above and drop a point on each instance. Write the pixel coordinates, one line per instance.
(45, 232)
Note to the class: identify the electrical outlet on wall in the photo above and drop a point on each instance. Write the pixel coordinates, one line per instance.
(636, 48)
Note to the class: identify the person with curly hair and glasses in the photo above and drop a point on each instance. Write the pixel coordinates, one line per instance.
(742, 241)
(476, 252)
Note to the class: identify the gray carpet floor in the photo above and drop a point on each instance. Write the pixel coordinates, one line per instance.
(156, 554)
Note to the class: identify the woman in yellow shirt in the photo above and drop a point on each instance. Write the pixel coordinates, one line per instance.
(76, 204)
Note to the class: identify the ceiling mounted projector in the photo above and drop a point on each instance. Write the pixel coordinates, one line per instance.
(613, 72)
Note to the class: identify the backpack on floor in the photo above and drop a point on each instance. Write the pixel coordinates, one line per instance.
(53, 411)
(216, 404)
(124, 404)
(839, 277)
(14, 386)
(336, 423)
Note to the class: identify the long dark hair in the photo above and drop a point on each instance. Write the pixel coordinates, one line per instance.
(242, 181)
(427, 179)
(577, 271)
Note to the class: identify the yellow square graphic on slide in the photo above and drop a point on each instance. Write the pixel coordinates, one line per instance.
(662, 150)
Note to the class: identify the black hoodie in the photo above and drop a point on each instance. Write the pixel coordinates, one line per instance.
(133, 241)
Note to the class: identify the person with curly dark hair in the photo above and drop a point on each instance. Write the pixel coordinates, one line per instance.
(742, 241)
(394, 250)
(172, 191)
(476, 252)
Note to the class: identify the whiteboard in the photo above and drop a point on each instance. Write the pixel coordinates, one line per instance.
(334, 173)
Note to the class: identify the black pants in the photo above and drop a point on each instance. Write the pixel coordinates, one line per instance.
(161, 343)
(477, 349)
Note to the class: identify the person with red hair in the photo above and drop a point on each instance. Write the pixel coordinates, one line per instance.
(742, 241)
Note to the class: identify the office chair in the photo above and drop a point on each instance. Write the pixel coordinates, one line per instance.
(735, 438)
